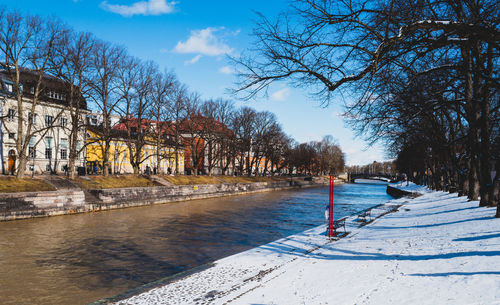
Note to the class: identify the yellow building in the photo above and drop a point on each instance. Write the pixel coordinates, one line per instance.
(119, 155)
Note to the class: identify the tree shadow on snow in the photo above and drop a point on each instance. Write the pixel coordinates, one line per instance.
(480, 237)
(444, 274)
(430, 225)
(357, 255)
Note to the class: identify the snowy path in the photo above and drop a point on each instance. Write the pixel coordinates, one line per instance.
(437, 249)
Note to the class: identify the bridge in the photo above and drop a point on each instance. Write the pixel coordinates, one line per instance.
(353, 176)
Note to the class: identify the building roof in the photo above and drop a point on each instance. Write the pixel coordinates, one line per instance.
(122, 134)
(200, 123)
(29, 78)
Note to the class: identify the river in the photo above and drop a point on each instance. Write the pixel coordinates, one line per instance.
(77, 259)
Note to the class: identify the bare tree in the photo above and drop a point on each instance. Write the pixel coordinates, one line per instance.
(225, 113)
(242, 126)
(102, 80)
(264, 128)
(27, 44)
(334, 47)
(179, 100)
(193, 134)
(72, 64)
(163, 86)
(135, 79)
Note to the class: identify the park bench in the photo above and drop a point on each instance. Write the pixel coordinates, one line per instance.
(366, 214)
(338, 224)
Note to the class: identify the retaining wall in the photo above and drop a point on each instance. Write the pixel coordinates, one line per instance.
(37, 204)
(397, 193)
(28, 205)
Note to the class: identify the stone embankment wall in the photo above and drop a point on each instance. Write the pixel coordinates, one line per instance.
(37, 204)
(29, 205)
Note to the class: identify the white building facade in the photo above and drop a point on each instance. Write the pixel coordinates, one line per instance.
(49, 143)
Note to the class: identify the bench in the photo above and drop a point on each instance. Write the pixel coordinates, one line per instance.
(337, 224)
(364, 215)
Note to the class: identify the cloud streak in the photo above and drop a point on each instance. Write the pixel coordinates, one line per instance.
(226, 70)
(193, 60)
(281, 95)
(146, 8)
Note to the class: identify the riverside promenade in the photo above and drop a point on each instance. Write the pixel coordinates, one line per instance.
(434, 249)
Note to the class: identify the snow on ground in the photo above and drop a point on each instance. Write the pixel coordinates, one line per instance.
(436, 249)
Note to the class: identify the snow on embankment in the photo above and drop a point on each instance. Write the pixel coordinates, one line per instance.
(437, 249)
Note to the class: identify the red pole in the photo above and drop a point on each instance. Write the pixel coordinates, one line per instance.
(330, 209)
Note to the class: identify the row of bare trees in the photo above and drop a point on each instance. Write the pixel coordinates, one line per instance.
(317, 157)
(152, 105)
(420, 75)
(96, 74)
(386, 168)
(253, 143)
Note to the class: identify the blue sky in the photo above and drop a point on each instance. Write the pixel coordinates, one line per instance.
(194, 38)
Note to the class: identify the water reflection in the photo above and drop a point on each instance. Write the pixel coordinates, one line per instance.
(81, 258)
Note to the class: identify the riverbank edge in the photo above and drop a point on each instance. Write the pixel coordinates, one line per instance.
(18, 206)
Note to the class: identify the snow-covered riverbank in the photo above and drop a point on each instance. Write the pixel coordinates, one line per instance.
(436, 249)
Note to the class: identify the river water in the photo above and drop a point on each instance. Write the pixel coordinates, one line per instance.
(77, 259)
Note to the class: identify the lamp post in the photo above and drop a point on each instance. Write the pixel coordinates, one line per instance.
(330, 208)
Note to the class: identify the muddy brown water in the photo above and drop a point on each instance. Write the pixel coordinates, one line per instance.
(82, 258)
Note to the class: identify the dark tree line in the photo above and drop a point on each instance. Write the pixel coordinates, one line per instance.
(422, 75)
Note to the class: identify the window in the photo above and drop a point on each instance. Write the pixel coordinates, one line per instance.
(57, 96)
(12, 136)
(49, 120)
(9, 87)
(32, 117)
(64, 149)
(64, 122)
(11, 115)
(48, 148)
(32, 152)
(32, 148)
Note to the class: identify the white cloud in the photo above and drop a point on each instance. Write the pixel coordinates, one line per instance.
(280, 95)
(193, 60)
(226, 70)
(204, 42)
(150, 7)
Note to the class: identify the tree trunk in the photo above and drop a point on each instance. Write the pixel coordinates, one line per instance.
(21, 167)
(105, 160)
(73, 153)
(486, 189)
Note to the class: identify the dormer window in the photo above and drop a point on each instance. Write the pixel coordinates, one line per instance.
(57, 96)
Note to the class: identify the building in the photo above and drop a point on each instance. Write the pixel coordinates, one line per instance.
(206, 145)
(48, 138)
(158, 160)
